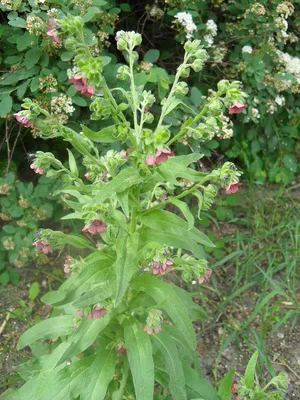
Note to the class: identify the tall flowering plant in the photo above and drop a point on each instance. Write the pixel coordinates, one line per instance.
(119, 328)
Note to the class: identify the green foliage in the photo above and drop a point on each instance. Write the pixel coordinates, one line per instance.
(23, 207)
(111, 309)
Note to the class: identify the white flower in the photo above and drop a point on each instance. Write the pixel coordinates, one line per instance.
(186, 20)
(280, 100)
(209, 39)
(255, 113)
(212, 28)
(292, 64)
(247, 49)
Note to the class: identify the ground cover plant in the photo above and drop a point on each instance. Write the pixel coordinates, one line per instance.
(132, 328)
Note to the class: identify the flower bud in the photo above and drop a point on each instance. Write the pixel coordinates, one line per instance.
(123, 72)
(182, 88)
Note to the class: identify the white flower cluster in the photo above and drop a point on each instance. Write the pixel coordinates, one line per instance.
(53, 12)
(212, 30)
(280, 100)
(186, 20)
(292, 64)
(247, 49)
(61, 106)
(72, 72)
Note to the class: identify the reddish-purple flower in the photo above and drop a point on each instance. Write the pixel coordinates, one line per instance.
(82, 86)
(96, 227)
(237, 108)
(37, 170)
(52, 32)
(162, 268)
(160, 157)
(122, 350)
(43, 246)
(24, 121)
(98, 313)
(206, 277)
(124, 154)
(233, 188)
(150, 331)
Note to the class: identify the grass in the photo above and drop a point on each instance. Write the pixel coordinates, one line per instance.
(256, 263)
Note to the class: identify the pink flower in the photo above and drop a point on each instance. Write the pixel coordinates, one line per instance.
(206, 277)
(97, 313)
(79, 314)
(237, 108)
(233, 188)
(67, 264)
(234, 389)
(24, 121)
(43, 246)
(150, 331)
(160, 157)
(162, 268)
(37, 170)
(52, 32)
(124, 154)
(96, 227)
(81, 85)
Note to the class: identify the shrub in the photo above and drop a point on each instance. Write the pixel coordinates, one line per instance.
(22, 208)
(255, 43)
(116, 327)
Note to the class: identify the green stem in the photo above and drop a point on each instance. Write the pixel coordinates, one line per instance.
(133, 219)
(170, 96)
(134, 97)
(183, 194)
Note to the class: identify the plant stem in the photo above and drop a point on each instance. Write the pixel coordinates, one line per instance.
(134, 97)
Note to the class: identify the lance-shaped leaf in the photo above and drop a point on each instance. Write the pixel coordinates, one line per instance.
(139, 350)
(174, 368)
(225, 389)
(164, 293)
(101, 373)
(72, 163)
(197, 387)
(148, 235)
(51, 328)
(164, 221)
(184, 208)
(86, 334)
(124, 180)
(250, 371)
(125, 266)
(105, 135)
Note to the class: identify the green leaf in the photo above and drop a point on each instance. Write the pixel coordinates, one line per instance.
(101, 292)
(139, 352)
(72, 163)
(66, 56)
(290, 162)
(32, 57)
(225, 389)
(79, 101)
(148, 235)
(164, 221)
(184, 208)
(250, 371)
(86, 334)
(123, 199)
(105, 135)
(127, 247)
(197, 386)
(172, 304)
(91, 12)
(51, 328)
(151, 56)
(9, 229)
(18, 22)
(4, 278)
(124, 180)
(22, 89)
(101, 373)
(5, 106)
(34, 291)
(174, 368)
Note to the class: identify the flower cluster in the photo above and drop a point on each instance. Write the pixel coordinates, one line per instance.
(212, 30)
(185, 19)
(153, 322)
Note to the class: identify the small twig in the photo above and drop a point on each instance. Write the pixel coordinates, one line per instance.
(2, 327)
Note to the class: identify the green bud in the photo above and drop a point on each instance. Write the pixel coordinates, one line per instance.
(123, 72)
(182, 88)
